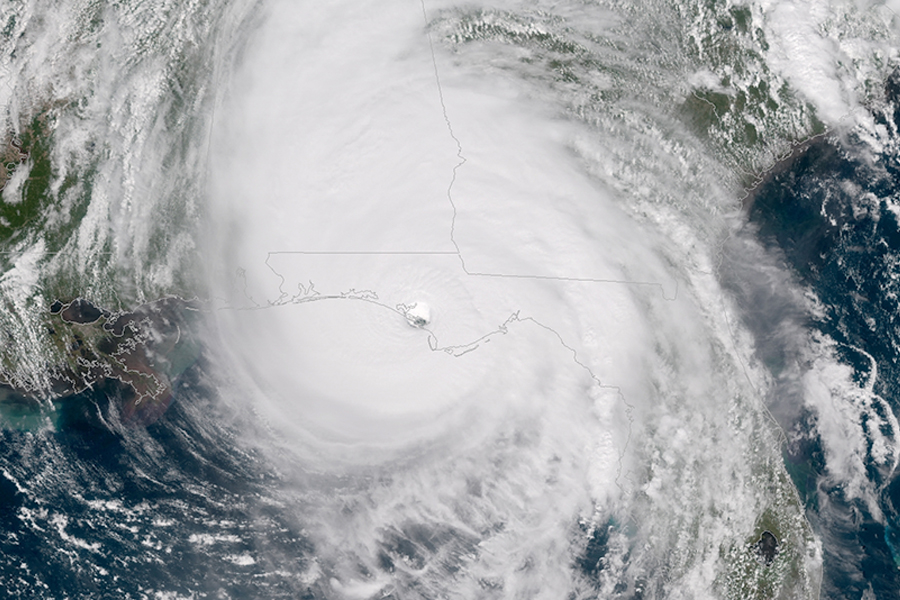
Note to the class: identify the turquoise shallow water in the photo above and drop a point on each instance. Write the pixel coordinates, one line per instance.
(741, 445)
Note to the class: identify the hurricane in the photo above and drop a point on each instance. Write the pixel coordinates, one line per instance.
(427, 299)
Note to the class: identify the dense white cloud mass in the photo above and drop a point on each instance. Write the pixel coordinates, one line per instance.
(363, 194)
(466, 264)
(358, 167)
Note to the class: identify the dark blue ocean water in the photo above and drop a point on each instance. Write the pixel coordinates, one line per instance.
(98, 510)
(828, 216)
